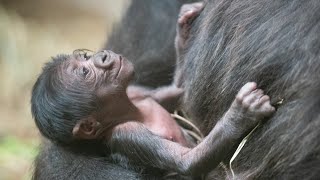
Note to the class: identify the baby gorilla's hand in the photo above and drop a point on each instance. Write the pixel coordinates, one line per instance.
(188, 13)
(168, 97)
(252, 101)
(252, 105)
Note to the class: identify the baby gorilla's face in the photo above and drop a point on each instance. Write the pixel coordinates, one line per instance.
(104, 72)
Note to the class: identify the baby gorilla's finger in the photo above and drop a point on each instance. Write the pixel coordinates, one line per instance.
(191, 16)
(267, 108)
(264, 99)
(189, 12)
(259, 94)
(245, 90)
(193, 6)
(183, 19)
(251, 99)
(187, 18)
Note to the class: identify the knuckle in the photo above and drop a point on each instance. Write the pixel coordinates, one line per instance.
(260, 91)
(239, 98)
(184, 6)
(250, 84)
(266, 97)
(247, 100)
(272, 109)
(253, 107)
(245, 104)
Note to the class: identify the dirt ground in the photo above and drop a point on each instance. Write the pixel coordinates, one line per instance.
(30, 33)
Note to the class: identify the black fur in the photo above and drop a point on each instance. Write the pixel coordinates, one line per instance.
(277, 44)
(145, 36)
(51, 102)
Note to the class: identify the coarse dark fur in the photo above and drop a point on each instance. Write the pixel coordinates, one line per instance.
(57, 103)
(145, 35)
(56, 163)
(277, 44)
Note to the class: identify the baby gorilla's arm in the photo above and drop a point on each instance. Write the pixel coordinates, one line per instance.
(141, 146)
(188, 13)
(167, 96)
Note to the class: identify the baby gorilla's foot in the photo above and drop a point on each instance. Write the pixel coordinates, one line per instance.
(252, 105)
(188, 13)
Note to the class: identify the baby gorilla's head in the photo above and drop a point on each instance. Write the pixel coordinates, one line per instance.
(74, 88)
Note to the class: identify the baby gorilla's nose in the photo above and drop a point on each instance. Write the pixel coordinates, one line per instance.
(105, 59)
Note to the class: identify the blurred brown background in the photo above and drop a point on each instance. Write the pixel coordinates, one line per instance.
(31, 31)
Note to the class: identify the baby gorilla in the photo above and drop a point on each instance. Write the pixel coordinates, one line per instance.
(80, 100)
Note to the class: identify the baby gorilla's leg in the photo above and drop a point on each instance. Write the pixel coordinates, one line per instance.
(188, 13)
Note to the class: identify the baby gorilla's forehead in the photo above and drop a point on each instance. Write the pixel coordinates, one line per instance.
(69, 71)
(74, 62)
(71, 75)
(70, 64)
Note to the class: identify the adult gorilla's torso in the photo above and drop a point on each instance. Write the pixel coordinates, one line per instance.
(276, 44)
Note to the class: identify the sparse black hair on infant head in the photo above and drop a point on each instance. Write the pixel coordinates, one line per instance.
(58, 102)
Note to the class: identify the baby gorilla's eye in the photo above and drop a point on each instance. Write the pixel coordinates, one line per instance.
(86, 56)
(85, 71)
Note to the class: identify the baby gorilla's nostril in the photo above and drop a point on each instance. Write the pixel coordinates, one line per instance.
(104, 58)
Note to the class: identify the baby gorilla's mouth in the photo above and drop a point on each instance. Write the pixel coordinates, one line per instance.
(120, 66)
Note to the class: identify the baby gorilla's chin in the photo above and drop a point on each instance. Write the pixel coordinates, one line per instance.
(126, 73)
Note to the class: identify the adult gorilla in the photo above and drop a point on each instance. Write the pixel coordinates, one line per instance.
(277, 44)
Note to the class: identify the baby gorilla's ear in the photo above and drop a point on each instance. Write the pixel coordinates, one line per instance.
(86, 128)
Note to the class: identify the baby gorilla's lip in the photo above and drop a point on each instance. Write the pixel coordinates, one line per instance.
(120, 67)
